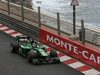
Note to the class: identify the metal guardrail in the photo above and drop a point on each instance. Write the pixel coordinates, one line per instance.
(20, 26)
(50, 21)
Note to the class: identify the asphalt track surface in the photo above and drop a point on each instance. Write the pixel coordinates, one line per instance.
(14, 64)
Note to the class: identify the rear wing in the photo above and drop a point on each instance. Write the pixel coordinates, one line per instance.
(22, 37)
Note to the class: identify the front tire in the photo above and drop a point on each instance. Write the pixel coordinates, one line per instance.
(54, 57)
(53, 53)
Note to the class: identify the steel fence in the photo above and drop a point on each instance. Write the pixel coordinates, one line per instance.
(91, 35)
(20, 26)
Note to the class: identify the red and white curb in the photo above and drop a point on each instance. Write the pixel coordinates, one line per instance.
(64, 58)
(9, 31)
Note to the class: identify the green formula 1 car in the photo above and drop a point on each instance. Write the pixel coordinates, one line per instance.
(34, 52)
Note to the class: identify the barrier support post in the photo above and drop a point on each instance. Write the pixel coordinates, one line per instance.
(58, 22)
(39, 17)
(83, 32)
(8, 7)
(22, 4)
(74, 21)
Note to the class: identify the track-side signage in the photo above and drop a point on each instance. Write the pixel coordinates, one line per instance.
(72, 48)
(74, 3)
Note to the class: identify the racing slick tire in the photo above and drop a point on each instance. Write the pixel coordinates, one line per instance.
(54, 57)
(13, 47)
(30, 56)
(53, 53)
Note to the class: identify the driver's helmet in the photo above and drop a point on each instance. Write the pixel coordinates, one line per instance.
(31, 40)
(34, 45)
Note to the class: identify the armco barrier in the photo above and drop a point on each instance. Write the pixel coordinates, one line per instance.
(20, 26)
(83, 53)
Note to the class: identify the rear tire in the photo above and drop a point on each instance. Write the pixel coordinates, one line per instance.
(13, 47)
